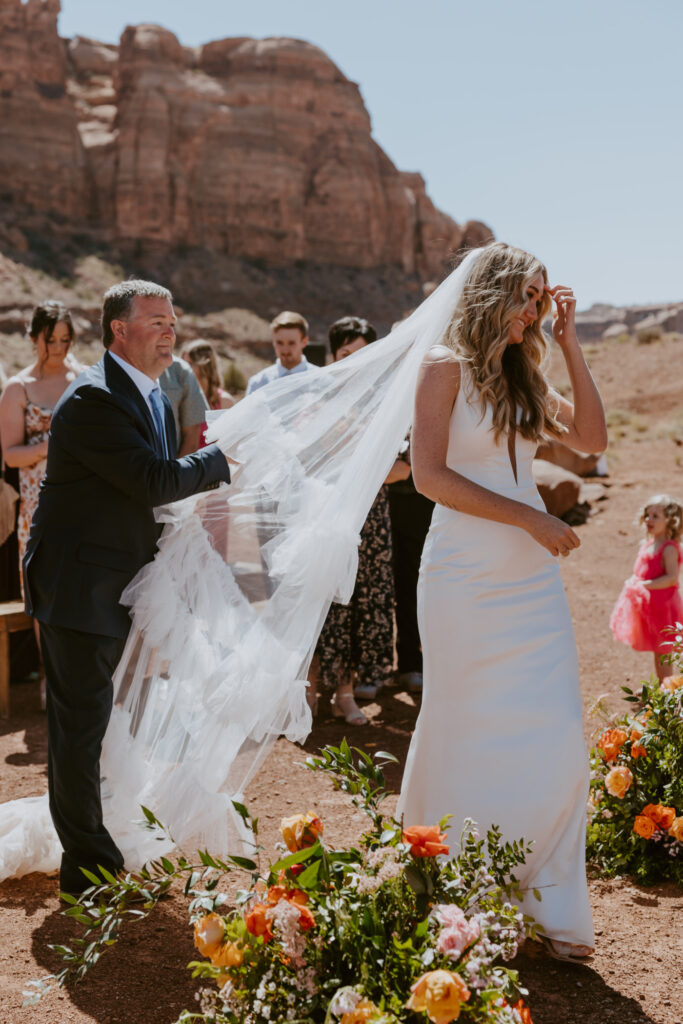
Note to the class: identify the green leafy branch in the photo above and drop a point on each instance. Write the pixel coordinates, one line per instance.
(362, 778)
(113, 899)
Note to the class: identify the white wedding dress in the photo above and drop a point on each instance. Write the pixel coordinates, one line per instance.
(499, 737)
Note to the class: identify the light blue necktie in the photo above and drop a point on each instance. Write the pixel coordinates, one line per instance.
(158, 411)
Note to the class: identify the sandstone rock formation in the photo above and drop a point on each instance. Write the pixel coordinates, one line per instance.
(259, 150)
(42, 161)
(559, 488)
(567, 458)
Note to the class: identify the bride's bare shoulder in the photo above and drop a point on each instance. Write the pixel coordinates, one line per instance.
(442, 358)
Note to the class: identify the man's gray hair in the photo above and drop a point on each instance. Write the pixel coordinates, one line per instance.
(118, 301)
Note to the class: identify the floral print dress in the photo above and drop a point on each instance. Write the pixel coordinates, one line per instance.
(37, 421)
(359, 637)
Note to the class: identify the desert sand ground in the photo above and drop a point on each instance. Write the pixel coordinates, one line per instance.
(636, 976)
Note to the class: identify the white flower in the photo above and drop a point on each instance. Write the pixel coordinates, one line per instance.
(344, 1001)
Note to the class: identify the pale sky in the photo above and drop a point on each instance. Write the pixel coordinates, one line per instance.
(559, 124)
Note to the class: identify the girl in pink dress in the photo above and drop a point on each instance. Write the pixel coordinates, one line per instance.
(650, 600)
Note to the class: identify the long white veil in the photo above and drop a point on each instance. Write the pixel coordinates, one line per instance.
(226, 617)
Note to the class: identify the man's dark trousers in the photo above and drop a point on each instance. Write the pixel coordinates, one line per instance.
(78, 670)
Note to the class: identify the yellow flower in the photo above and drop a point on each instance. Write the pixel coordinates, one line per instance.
(618, 781)
(227, 955)
(363, 1011)
(209, 932)
(676, 829)
(301, 830)
(671, 683)
(439, 994)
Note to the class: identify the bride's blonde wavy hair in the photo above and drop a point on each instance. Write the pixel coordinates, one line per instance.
(505, 376)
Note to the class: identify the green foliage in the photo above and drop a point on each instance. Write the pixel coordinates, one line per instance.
(233, 378)
(652, 753)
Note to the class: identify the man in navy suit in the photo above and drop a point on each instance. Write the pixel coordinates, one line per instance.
(110, 462)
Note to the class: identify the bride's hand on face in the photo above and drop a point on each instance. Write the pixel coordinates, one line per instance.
(564, 317)
(551, 533)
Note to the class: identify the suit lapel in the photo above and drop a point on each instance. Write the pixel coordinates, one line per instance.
(119, 382)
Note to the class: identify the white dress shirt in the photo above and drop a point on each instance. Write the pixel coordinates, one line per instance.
(274, 372)
(143, 383)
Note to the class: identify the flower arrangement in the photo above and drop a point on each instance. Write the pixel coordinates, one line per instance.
(636, 801)
(391, 930)
(386, 932)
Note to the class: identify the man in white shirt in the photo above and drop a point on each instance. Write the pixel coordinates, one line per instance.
(290, 337)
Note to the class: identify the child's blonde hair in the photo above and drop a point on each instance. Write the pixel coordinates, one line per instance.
(672, 510)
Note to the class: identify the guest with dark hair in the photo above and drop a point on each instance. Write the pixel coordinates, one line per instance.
(27, 405)
(356, 645)
(348, 335)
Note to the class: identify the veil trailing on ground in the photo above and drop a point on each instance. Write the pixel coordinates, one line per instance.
(226, 617)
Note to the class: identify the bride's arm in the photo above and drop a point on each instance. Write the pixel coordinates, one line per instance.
(584, 418)
(437, 389)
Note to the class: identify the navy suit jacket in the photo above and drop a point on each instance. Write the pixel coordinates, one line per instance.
(94, 527)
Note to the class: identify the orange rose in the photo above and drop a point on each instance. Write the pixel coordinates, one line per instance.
(671, 683)
(209, 932)
(258, 921)
(644, 827)
(662, 816)
(362, 1012)
(228, 955)
(637, 749)
(282, 892)
(301, 830)
(523, 1011)
(618, 781)
(676, 829)
(439, 994)
(425, 840)
(610, 743)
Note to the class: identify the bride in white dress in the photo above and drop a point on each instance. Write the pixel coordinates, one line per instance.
(499, 737)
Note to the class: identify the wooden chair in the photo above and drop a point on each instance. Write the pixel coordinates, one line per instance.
(13, 618)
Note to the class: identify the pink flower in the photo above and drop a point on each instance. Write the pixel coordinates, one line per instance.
(457, 933)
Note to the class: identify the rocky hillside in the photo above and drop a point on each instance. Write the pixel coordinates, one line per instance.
(241, 171)
(602, 322)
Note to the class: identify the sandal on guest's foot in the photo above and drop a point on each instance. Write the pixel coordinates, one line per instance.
(568, 952)
(344, 706)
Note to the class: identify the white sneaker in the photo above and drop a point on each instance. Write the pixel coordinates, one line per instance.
(413, 680)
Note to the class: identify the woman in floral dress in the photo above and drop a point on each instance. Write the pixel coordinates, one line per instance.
(27, 403)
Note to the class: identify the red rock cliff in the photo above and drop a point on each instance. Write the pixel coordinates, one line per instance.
(254, 149)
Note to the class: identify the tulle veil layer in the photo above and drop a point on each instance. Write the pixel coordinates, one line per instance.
(226, 617)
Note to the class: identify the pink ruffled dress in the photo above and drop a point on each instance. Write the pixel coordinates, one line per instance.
(640, 615)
